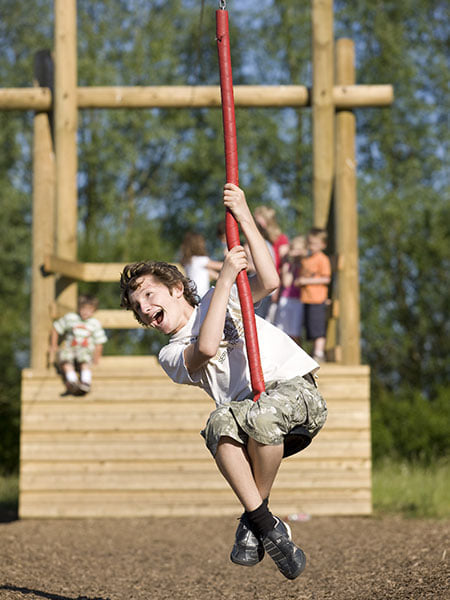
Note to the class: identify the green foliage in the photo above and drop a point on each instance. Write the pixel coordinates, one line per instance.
(411, 426)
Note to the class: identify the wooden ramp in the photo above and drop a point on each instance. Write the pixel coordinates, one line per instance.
(132, 448)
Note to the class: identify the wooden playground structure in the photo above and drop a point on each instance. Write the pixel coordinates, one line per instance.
(112, 453)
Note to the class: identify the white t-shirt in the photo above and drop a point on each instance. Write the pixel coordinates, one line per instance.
(196, 269)
(226, 377)
(77, 332)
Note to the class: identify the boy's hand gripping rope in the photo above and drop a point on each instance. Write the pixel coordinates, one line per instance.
(232, 176)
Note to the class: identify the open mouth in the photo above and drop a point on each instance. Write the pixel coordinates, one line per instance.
(157, 318)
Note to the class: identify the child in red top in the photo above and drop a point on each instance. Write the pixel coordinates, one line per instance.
(314, 280)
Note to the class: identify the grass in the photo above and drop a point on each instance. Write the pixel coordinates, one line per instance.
(9, 496)
(411, 489)
(401, 488)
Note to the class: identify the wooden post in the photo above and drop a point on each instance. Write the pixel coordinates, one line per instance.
(347, 215)
(322, 109)
(43, 286)
(65, 124)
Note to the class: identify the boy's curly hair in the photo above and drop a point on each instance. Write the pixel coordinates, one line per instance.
(166, 273)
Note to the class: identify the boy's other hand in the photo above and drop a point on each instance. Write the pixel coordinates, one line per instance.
(234, 200)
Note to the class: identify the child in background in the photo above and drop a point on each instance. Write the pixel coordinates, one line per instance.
(314, 281)
(267, 222)
(82, 344)
(207, 349)
(197, 264)
(289, 315)
(266, 219)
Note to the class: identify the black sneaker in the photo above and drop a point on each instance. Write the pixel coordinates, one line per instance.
(289, 559)
(84, 387)
(72, 387)
(248, 549)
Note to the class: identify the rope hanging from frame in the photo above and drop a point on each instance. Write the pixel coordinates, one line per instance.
(232, 176)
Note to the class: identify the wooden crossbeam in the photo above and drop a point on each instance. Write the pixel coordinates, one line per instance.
(83, 271)
(246, 96)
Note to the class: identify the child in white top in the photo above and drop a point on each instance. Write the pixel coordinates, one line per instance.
(207, 348)
(198, 266)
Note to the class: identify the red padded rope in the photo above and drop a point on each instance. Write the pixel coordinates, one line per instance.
(232, 175)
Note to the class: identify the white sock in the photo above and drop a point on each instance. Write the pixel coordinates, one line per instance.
(86, 376)
(71, 376)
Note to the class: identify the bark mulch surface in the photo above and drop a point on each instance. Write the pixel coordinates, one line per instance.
(183, 558)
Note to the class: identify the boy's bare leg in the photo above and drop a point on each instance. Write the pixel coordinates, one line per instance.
(232, 461)
(251, 479)
(265, 462)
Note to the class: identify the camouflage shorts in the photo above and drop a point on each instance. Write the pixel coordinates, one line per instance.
(73, 354)
(283, 406)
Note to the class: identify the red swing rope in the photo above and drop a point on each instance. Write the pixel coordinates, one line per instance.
(232, 176)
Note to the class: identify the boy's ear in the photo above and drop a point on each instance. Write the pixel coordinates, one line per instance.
(178, 290)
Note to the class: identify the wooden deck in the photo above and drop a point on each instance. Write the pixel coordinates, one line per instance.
(132, 448)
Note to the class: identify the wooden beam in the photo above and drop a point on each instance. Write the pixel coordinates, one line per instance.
(105, 272)
(87, 271)
(35, 98)
(344, 96)
(109, 318)
(65, 127)
(323, 109)
(346, 215)
(360, 96)
(117, 319)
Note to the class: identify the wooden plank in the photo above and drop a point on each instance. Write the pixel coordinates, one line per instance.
(143, 417)
(86, 449)
(185, 496)
(117, 366)
(186, 480)
(28, 510)
(293, 464)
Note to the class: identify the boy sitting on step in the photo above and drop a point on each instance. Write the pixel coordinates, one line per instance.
(82, 345)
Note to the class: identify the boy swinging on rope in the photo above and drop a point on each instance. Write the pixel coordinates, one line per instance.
(207, 349)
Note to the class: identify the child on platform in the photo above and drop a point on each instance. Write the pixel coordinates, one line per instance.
(247, 439)
(289, 315)
(81, 346)
(314, 281)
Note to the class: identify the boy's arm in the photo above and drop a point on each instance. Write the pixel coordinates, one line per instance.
(98, 351)
(287, 276)
(313, 280)
(211, 330)
(266, 279)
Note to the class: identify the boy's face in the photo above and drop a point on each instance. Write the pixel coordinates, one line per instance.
(315, 244)
(157, 306)
(297, 249)
(86, 311)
